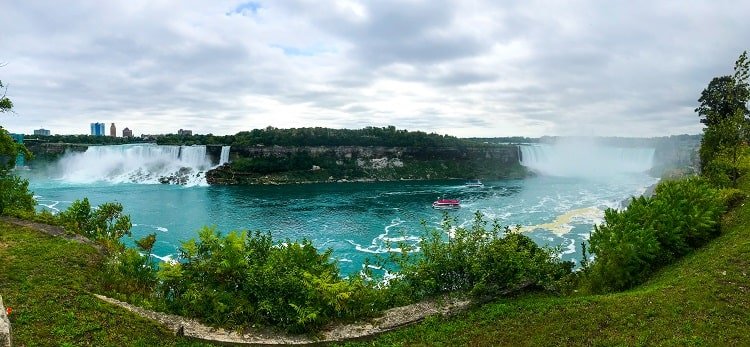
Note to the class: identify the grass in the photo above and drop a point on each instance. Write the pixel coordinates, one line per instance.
(702, 300)
(47, 281)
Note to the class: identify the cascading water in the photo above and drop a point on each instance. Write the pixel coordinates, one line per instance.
(224, 158)
(136, 163)
(585, 159)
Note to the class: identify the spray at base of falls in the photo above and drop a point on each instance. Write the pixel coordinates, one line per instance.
(585, 159)
(138, 163)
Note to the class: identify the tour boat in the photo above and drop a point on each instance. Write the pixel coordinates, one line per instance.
(446, 203)
(476, 183)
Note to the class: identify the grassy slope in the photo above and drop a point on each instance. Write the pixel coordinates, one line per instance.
(704, 299)
(47, 282)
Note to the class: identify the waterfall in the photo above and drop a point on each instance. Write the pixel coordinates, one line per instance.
(136, 163)
(585, 159)
(224, 155)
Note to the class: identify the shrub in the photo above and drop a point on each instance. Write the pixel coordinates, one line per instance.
(15, 197)
(106, 224)
(129, 272)
(682, 215)
(480, 261)
(243, 278)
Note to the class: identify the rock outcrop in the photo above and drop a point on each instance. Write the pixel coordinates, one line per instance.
(278, 164)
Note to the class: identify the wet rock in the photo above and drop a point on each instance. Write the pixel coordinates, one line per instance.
(181, 177)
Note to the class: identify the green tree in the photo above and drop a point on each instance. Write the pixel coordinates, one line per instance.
(14, 191)
(106, 224)
(5, 104)
(15, 195)
(724, 110)
(9, 150)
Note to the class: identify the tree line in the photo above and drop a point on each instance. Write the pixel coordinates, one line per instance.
(318, 136)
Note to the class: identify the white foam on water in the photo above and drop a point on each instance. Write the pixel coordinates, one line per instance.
(169, 258)
(570, 248)
(154, 227)
(382, 243)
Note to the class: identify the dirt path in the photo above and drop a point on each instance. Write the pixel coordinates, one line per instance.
(48, 229)
(389, 320)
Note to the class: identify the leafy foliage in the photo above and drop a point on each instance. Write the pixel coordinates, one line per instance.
(15, 196)
(128, 272)
(318, 136)
(5, 104)
(723, 109)
(681, 216)
(9, 151)
(478, 260)
(106, 224)
(243, 277)
(88, 139)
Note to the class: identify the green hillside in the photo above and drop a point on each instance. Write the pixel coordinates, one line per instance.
(701, 300)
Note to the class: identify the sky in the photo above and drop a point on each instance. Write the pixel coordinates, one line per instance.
(465, 68)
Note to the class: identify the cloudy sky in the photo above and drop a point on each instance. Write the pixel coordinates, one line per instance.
(465, 68)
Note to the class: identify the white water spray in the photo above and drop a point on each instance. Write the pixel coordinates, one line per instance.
(136, 163)
(579, 158)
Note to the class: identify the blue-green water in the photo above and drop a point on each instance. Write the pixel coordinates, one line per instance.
(356, 220)
(576, 182)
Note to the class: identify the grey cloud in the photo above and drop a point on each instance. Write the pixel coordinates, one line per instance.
(634, 68)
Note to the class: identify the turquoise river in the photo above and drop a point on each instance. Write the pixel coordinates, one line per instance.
(556, 207)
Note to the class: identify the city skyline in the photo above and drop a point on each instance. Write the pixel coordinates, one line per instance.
(479, 68)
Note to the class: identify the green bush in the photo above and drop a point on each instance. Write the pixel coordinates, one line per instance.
(481, 261)
(15, 197)
(244, 278)
(106, 223)
(128, 272)
(682, 215)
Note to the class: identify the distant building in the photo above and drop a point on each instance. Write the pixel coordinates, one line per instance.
(112, 130)
(97, 129)
(41, 132)
(185, 132)
(127, 132)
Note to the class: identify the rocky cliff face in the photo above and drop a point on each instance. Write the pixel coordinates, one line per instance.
(48, 152)
(276, 164)
(676, 153)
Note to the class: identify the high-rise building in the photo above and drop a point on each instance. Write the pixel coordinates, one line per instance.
(42, 132)
(185, 132)
(112, 130)
(97, 129)
(127, 132)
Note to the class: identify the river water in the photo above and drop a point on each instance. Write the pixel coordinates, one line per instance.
(356, 220)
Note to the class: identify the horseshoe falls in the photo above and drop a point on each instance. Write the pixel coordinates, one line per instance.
(576, 159)
(557, 206)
